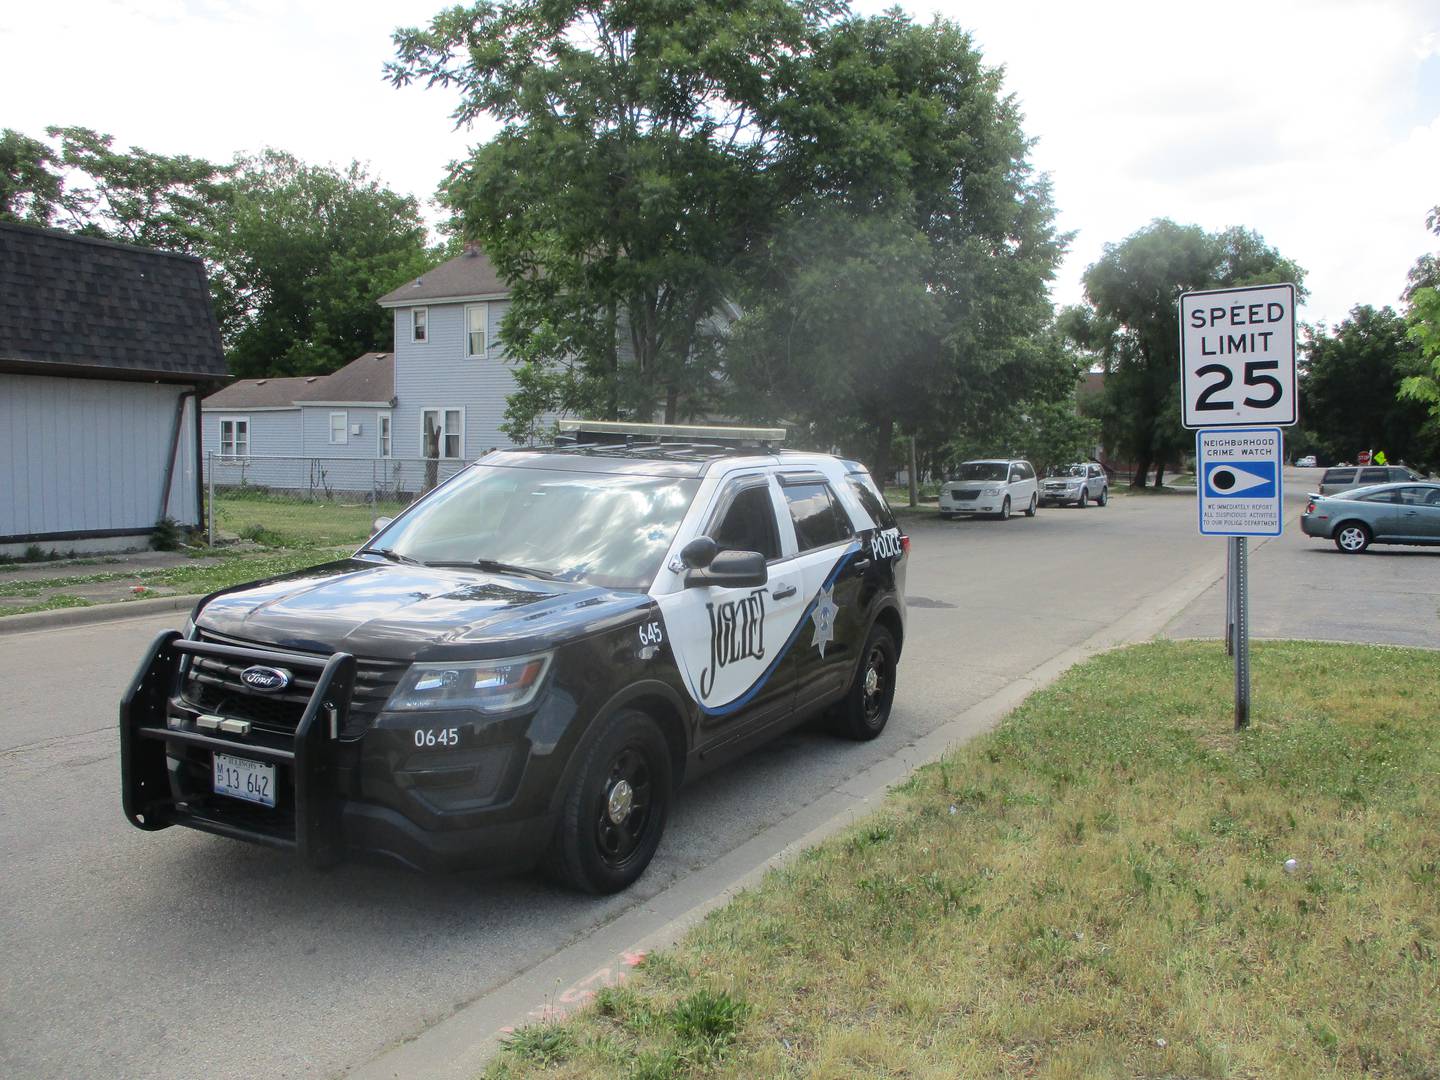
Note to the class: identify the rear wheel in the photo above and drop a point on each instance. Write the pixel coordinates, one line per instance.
(1352, 537)
(611, 821)
(865, 709)
(1005, 509)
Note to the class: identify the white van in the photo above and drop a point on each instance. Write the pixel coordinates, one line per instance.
(995, 486)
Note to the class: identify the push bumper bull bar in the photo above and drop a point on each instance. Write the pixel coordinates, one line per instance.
(309, 759)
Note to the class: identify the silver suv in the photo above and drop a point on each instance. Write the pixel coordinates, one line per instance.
(1078, 484)
(1334, 481)
(994, 486)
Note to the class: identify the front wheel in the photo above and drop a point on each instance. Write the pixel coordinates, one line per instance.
(1005, 509)
(1084, 498)
(865, 709)
(611, 821)
(1104, 496)
(1352, 538)
(1034, 502)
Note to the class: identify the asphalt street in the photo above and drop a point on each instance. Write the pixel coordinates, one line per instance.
(178, 954)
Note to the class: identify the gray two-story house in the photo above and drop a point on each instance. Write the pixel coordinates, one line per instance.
(447, 367)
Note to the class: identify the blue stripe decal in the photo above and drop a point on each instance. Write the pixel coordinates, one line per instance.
(759, 684)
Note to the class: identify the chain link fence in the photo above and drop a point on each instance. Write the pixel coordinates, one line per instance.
(312, 501)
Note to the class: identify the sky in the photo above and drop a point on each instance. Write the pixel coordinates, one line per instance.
(1315, 123)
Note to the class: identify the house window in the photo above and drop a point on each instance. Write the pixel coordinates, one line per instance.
(383, 427)
(450, 424)
(419, 320)
(337, 428)
(477, 323)
(235, 437)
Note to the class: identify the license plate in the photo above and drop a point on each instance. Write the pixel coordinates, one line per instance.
(241, 778)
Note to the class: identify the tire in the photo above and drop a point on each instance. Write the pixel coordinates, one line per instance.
(947, 516)
(593, 851)
(1104, 496)
(1352, 537)
(865, 709)
(1084, 498)
(1005, 509)
(1034, 505)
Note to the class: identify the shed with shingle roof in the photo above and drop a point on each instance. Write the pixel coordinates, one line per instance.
(105, 351)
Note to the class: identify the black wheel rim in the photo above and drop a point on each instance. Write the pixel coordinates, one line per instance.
(875, 683)
(625, 808)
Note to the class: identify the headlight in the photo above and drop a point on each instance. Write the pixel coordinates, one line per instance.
(484, 685)
(991, 491)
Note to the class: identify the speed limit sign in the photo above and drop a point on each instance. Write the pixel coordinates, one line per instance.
(1237, 357)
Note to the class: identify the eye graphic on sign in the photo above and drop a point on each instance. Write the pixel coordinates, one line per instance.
(1226, 480)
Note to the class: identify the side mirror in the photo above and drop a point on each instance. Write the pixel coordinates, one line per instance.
(699, 553)
(731, 570)
(379, 524)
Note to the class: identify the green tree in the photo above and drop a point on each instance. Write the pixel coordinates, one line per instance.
(905, 283)
(1132, 327)
(303, 255)
(1348, 389)
(1423, 321)
(628, 180)
(32, 190)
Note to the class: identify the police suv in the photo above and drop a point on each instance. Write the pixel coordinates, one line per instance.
(522, 667)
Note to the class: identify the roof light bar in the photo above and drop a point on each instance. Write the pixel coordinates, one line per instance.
(657, 432)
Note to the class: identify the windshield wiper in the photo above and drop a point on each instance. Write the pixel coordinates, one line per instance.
(391, 554)
(498, 567)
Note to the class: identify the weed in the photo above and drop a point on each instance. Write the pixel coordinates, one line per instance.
(545, 1044)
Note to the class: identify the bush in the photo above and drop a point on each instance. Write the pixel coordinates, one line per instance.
(166, 535)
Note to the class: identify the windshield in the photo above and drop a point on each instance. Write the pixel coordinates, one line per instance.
(1067, 470)
(598, 528)
(982, 470)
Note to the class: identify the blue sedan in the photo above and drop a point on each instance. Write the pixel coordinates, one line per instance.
(1407, 513)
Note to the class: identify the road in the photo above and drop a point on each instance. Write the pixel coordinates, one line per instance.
(178, 954)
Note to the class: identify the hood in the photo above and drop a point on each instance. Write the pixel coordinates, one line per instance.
(401, 612)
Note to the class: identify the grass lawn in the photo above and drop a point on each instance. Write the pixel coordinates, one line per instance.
(278, 521)
(198, 576)
(1096, 889)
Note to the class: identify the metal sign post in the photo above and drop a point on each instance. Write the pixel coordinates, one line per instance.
(1242, 632)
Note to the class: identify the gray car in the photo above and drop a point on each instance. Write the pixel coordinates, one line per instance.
(1406, 513)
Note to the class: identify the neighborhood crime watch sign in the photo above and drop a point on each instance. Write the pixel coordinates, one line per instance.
(1239, 481)
(1237, 357)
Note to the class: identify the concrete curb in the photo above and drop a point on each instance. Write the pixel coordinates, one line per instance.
(459, 1046)
(98, 613)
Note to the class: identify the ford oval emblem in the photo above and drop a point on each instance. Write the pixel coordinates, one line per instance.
(265, 679)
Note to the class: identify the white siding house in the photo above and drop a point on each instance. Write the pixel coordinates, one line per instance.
(105, 352)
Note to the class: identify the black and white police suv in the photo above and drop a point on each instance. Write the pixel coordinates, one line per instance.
(522, 667)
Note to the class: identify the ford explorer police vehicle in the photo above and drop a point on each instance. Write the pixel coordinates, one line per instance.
(522, 667)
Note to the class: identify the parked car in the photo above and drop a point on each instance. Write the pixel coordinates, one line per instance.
(1076, 484)
(1343, 478)
(522, 666)
(1306, 462)
(994, 486)
(1406, 513)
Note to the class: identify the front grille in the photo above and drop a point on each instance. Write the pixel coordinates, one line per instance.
(964, 495)
(212, 684)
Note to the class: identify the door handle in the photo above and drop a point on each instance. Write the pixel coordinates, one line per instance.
(861, 564)
(784, 592)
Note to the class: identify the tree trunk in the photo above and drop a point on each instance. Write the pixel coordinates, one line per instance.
(885, 436)
(672, 404)
(1160, 473)
(1142, 471)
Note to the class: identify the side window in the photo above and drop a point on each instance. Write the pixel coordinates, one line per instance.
(1373, 476)
(1417, 496)
(1027, 471)
(819, 520)
(873, 502)
(748, 523)
(1338, 476)
(1016, 473)
(1381, 497)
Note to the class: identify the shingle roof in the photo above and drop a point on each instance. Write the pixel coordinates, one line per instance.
(77, 302)
(466, 275)
(369, 378)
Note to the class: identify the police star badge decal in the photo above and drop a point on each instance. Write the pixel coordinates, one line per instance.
(824, 616)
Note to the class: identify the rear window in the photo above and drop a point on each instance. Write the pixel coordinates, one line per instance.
(1338, 476)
